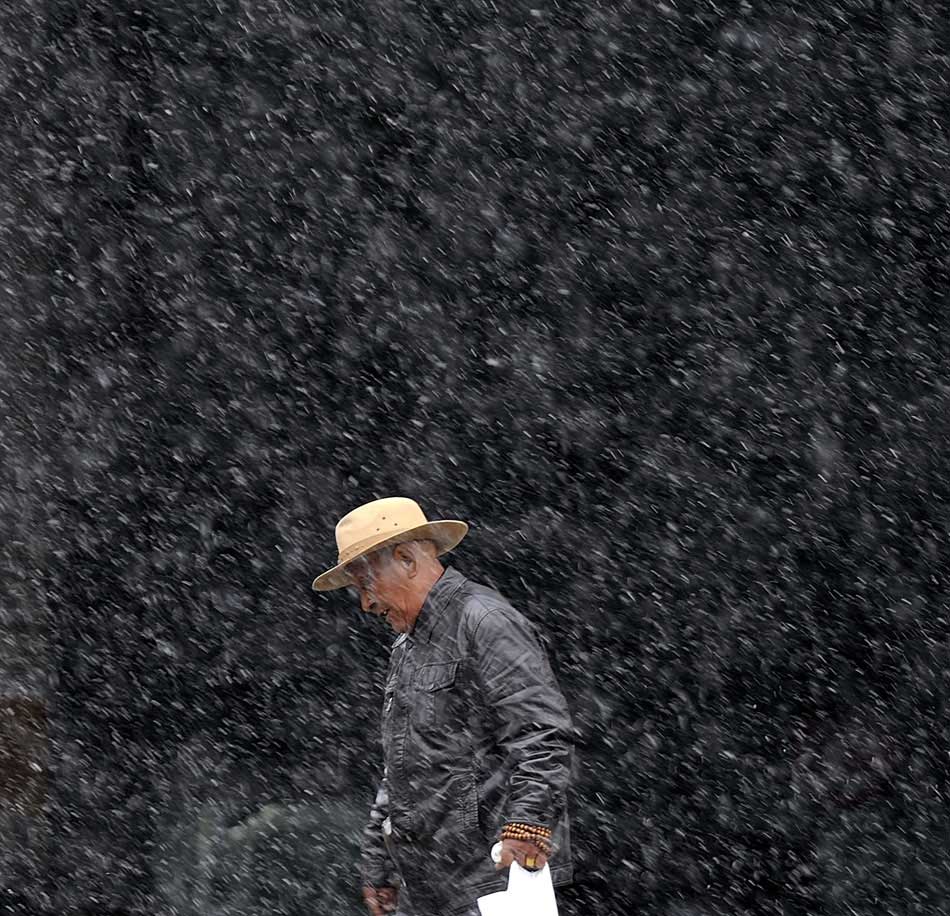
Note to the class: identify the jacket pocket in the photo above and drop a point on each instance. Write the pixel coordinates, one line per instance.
(468, 803)
(434, 684)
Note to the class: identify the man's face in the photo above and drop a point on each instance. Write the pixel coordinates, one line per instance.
(381, 583)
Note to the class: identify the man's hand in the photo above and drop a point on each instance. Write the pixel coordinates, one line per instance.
(526, 854)
(381, 900)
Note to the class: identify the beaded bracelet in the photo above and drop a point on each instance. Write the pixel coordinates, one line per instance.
(539, 836)
(529, 828)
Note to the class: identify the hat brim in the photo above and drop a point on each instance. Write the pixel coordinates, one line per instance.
(446, 533)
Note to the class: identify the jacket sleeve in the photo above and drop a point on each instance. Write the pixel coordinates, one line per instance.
(377, 867)
(531, 720)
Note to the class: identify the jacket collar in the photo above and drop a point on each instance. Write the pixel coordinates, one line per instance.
(439, 596)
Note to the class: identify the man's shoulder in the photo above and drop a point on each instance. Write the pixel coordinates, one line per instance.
(480, 604)
(474, 596)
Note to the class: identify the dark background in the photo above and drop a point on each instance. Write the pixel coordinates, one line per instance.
(654, 294)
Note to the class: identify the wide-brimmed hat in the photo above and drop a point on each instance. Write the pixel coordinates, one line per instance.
(382, 522)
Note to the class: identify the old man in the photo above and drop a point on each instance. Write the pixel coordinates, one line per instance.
(477, 739)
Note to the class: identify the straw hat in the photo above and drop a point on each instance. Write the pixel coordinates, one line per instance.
(382, 522)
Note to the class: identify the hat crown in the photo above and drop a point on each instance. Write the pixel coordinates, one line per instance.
(376, 521)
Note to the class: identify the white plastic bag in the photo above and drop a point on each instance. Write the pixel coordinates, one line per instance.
(530, 893)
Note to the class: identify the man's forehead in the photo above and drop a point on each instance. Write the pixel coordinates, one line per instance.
(364, 564)
(357, 567)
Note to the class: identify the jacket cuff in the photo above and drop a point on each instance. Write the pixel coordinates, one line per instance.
(546, 821)
(382, 874)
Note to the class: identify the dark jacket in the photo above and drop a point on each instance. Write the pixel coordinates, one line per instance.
(476, 733)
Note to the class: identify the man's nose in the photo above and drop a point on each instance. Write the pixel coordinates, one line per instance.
(367, 601)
